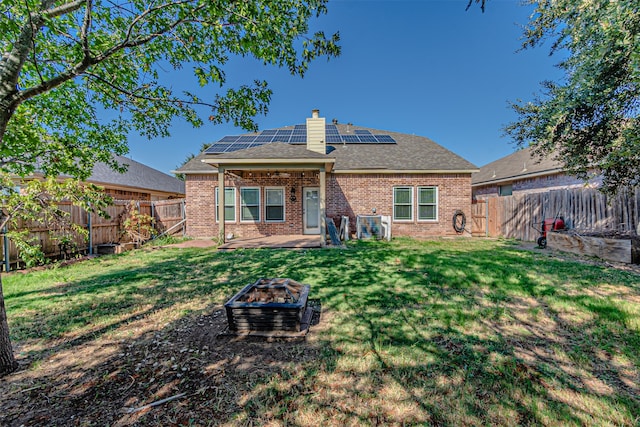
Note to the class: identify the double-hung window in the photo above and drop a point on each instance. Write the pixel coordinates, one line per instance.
(403, 203)
(250, 204)
(229, 205)
(427, 203)
(274, 204)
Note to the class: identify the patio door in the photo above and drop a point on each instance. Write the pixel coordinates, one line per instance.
(311, 210)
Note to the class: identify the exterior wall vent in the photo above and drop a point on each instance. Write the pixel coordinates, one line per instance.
(316, 133)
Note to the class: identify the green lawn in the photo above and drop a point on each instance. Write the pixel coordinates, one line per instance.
(446, 332)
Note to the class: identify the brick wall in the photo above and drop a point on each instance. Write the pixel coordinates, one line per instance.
(358, 194)
(201, 204)
(347, 195)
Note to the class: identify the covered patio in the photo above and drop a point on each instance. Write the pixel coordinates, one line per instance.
(291, 169)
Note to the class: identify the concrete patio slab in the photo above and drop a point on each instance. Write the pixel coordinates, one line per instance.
(275, 242)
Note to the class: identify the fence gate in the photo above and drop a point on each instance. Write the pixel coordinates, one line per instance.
(479, 218)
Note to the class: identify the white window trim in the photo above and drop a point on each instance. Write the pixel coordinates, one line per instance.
(437, 204)
(284, 205)
(235, 211)
(250, 221)
(393, 208)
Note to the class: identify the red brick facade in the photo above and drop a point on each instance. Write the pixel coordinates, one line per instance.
(347, 195)
(358, 194)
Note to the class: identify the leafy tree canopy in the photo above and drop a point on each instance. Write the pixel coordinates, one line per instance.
(76, 76)
(65, 62)
(589, 120)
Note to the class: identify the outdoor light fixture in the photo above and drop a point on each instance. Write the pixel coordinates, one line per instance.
(292, 197)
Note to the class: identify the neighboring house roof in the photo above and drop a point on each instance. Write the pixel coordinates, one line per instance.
(519, 165)
(137, 176)
(399, 152)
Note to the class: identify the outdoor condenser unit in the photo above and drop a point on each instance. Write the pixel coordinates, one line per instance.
(373, 226)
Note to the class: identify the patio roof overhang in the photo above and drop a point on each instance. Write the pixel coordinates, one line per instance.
(273, 163)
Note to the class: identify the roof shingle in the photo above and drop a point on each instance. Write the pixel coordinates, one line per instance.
(409, 153)
(520, 164)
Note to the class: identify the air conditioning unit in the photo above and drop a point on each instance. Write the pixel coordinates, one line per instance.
(373, 226)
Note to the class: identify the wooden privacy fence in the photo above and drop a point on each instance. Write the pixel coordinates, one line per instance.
(584, 209)
(169, 216)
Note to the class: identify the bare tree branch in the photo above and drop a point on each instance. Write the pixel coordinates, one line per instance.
(84, 32)
(175, 101)
(63, 9)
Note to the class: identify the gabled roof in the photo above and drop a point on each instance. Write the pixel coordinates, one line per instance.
(407, 153)
(137, 176)
(519, 165)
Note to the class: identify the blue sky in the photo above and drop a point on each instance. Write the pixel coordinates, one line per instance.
(419, 67)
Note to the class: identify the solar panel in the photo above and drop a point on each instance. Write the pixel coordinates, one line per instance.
(367, 138)
(237, 147)
(298, 138)
(218, 148)
(264, 138)
(247, 138)
(297, 135)
(350, 138)
(331, 129)
(283, 135)
(384, 138)
(232, 138)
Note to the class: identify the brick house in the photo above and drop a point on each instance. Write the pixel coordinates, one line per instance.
(522, 172)
(286, 181)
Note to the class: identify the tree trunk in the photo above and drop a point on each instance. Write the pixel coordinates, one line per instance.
(8, 363)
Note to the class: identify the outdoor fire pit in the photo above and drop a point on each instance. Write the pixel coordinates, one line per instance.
(268, 305)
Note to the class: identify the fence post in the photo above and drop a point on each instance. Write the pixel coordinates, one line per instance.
(486, 218)
(184, 215)
(90, 226)
(7, 263)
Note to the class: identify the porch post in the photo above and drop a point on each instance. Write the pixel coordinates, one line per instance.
(323, 204)
(221, 202)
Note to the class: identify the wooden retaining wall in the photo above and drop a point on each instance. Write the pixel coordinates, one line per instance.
(168, 215)
(583, 209)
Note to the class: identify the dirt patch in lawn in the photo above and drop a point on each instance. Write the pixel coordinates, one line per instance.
(568, 256)
(122, 377)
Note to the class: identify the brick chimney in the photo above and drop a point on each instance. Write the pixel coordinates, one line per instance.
(316, 137)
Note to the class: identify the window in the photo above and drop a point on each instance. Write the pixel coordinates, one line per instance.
(274, 204)
(250, 204)
(427, 203)
(229, 205)
(505, 190)
(403, 203)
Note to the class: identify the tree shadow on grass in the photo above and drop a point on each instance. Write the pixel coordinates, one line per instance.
(411, 334)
